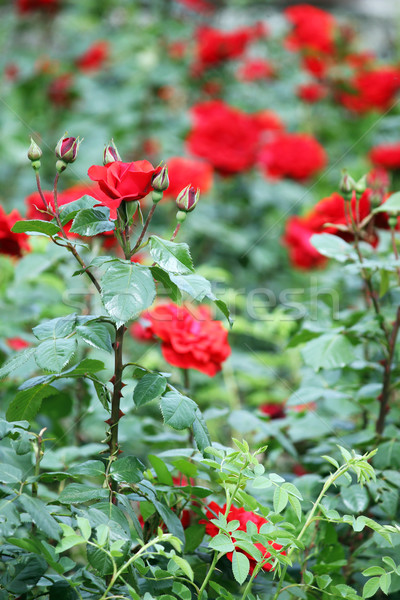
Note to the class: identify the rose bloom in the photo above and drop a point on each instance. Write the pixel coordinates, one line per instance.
(312, 92)
(123, 181)
(313, 29)
(12, 243)
(189, 339)
(328, 210)
(225, 136)
(255, 69)
(317, 65)
(243, 516)
(215, 46)
(294, 155)
(374, 89)
(17, 343)
(275, 410)
(386, 156)
(27, 6)
(188, 171)
(94, 57)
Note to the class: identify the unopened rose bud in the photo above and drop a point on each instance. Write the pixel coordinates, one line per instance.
(187, 199)
(67, 149)
(111, 153)
(34, 152)
(161, 181)
(361, 185)
(393, 221)
(347, 185)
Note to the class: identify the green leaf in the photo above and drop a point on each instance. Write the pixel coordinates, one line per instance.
(384, 582)
(53, 355)
(171, 520)
(10, 474)
(56, 328)
(200, 432)
(172, 256)
(281, 498)
(25, 574)
(373, 571)
(196, 286)
(27, 403)
(127, 290)
(295, 503)
(240, 566)
(16, 361)
(194, 536)
(163, 475)
(35, 226)
(184, 566)
(371, 587)
(96, 335)
(178, 411)
(40, 516)
(170, 287)
(91, 468)
(323, 581)
(76, 493)
(355, 498)
(392, 204)
(128, 469)
(222, 543)
(333, 246)
(151, 386)
(92, 221)
(70, 210)
(328, 351)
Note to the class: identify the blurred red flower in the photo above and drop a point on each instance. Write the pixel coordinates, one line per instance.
(188, 171)
(386, 156)
(201, 6)
(190, 338)
(94, 57)
(12, 243)
(312, 92)
(275, 410)
(243, 516)
(254, 69)
(294, 155)
(17, 343)
(313, 29)
(374, 89)
(27, 6)
(226, 136)
(60, 91)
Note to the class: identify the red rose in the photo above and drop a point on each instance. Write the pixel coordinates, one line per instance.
(12, 243)
(302, 254)
(123, 181)
(312, 92)
(190, 339)
(17, 344)
(372, 90)
(188, 171)
(255, 69)
(60, 91)
(386, 156)
(316, 65)
(215, 46)
(243, 516)
(226, 136)
(94, 57)
(27, 6)
(313, 29)
(275, 410)
(294, 155)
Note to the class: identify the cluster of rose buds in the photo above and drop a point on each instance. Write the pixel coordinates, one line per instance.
(348, 185)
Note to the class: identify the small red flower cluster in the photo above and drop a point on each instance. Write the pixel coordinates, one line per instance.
(191, 339)
(94, 58)
(243, 516)
(313, 29)
(215, 46)
(386, 156)
(372, 89)
(13, 244)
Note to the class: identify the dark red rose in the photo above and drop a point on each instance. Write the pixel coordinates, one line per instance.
(297, 236)
(294, 155)
(124, 181)
(243, 516)
(188, 171)
(190, 338)
(12, 243)
(215, 46)
(225, 136)
(94, 58)
(17, 344)
(312, 92)
(374, 89)
(386, 156)
(60, 91)
(313, 29)
(275, 410)
(27, 6)
(255, 69)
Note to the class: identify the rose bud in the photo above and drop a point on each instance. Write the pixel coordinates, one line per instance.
(161, 181)
(361, 185)
(111, 153)
(67, 149)
(347, 185)
(34, 152)
(187, 199)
